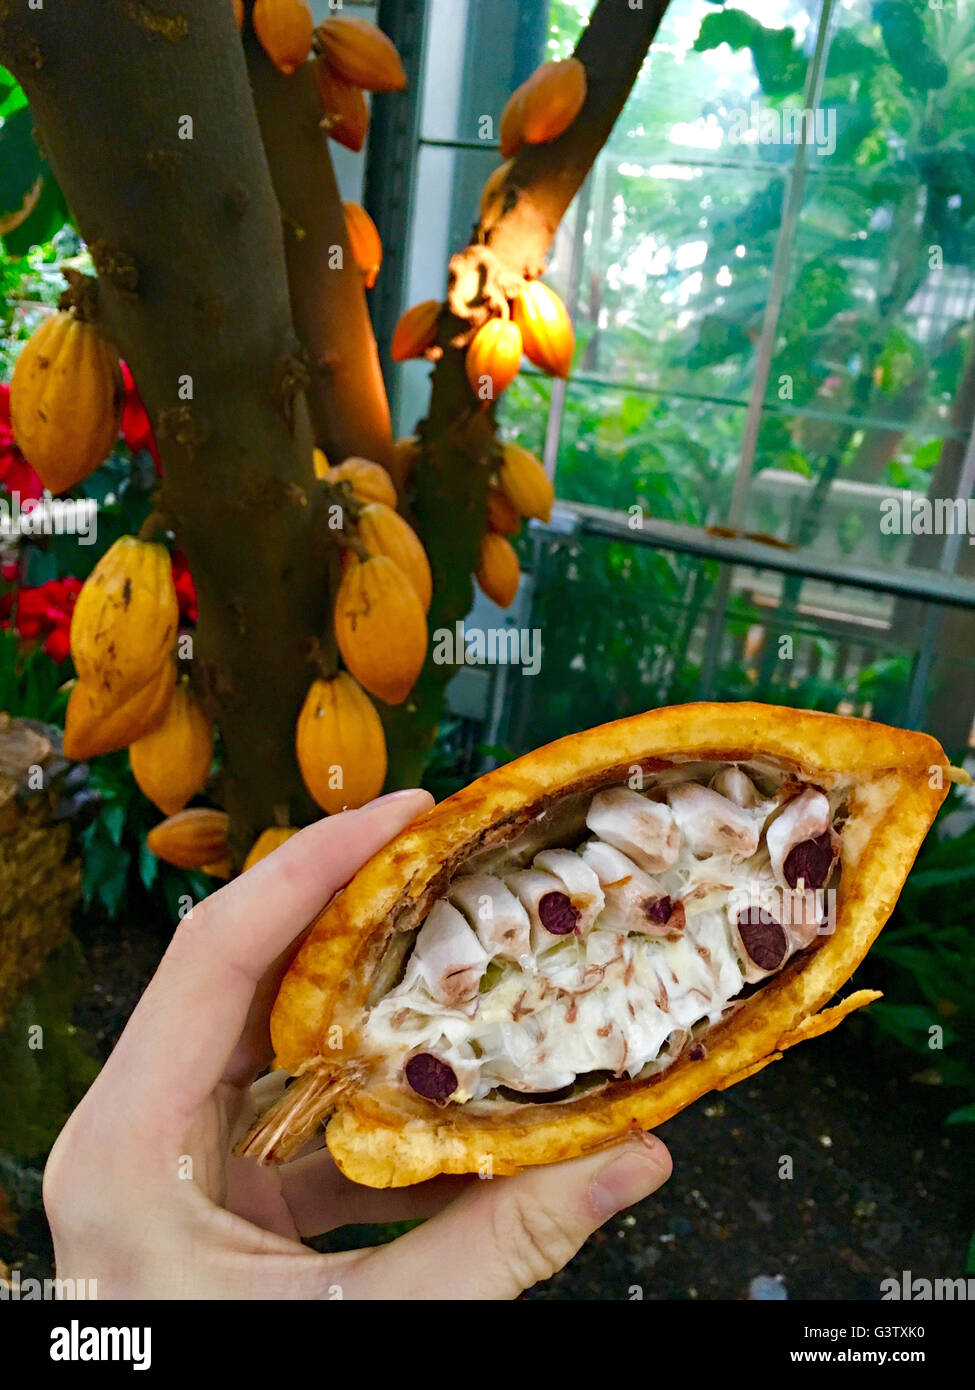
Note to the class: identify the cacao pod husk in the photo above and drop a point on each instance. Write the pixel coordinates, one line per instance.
(416, 330)
(502, 514)
(340, 737)
(380, 628)
(526, 483)
(546, 329)
(267, 842)
(94, 724)
(369, 481)
(66, 400)
(361, 53)
(171, 764)
(551, 99)
(493, 358)
(285, 29)
(364, 242)
(125, 620)
(498, 570)
(345, 115)
(191, 839)
(384, 532)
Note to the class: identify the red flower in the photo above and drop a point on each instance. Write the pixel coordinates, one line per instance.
(185, 588)
(136, 429)
(16, 474)
(44, 613)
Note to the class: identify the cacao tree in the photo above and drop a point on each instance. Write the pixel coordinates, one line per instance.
(192, 145)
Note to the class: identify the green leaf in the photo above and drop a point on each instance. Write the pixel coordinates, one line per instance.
(20, 160)
(903, 32)
(964, 1116)
(780, 65)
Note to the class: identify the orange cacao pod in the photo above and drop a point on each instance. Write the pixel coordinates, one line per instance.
(526, 483)
(364, 242)
(125, 621)
(502, 514)
(511, 133)
(416, 330)
(66, 400)
(380, 628)
(345, 113)
(340, 744)
(285, 29)
(384, 532)
(267, 842)
(369, 481)
(493, 358)
(498, 571)
(546, 329)
(191, 839)
(551, 99)
(171, 763)
(361, 53)
(95, 724)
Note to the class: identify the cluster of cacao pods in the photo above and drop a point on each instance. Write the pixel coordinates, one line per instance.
(521, 489)
(352, 56)
(66, 399)
(537, 326)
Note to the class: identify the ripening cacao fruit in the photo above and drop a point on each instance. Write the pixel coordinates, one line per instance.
(551, 99)
(95, 724)
(171, 763)
(493, 358)
(285, 29)
(369, 481)
(511, 133)
(498, 571)
(364, 242)
(191, 839)
(492, 188)
(380, 628)
(416, 330)
(361, 53)
(502, 514)
(321, 463)
(384, 532)
(125, 621)
(523, 479)
(66, 400)
(340, 744)
(239, 14)
(267, 842)
(546, 329)
(345, 115)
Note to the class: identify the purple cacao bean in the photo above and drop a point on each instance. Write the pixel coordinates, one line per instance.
(431, 1077)
(556, 914)
(660, 910)
(763, 938)
(811, 860)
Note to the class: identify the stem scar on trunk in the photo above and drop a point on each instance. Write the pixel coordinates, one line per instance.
(169, 27)
(289, 380)
(179, 424)
(118, 268)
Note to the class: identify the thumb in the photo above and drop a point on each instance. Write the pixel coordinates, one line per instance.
(505, 1234)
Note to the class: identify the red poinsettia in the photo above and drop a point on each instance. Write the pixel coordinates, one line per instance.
(16, 474)
(43, 612)
(136, 429)
(185, 588)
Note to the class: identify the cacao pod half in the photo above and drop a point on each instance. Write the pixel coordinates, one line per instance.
(380, 628)
(493, 358)
(384, 532)
(171, 763)
(551, 99)
(526, 483)
(369, 481)
(267, 842)
(125, 621)
(93, 724)
(66, 400)
(546, 329)
(498, 571)
(192, 839)
(361, 53)
(364, 242)
(416, 330)
(285, 29)
(345, 113)
(340, 744)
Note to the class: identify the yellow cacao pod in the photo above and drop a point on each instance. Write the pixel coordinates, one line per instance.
(321, 463)
(345, 115)
(511, 131)
(384, 532)
(546, 329)
(66, 400)
(551, 99)
(416, 330)
(492, 188)
(171, 764)
(502, 514)
(498, 571)
(267, 842)
(94, 724)
(493, 358)
(526, 483)
(369, 481)
(364, 242)
(381, 628)
(285, 29)
(361, 53)
(191, 839)
(125, 621)
(239, 14)
(340, 744)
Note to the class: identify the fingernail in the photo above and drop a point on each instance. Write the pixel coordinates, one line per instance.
(625, 1180)
(392, 797)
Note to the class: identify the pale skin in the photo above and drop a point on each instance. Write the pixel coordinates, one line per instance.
(144, 1196)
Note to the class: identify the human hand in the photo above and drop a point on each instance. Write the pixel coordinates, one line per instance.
(142, 1192)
